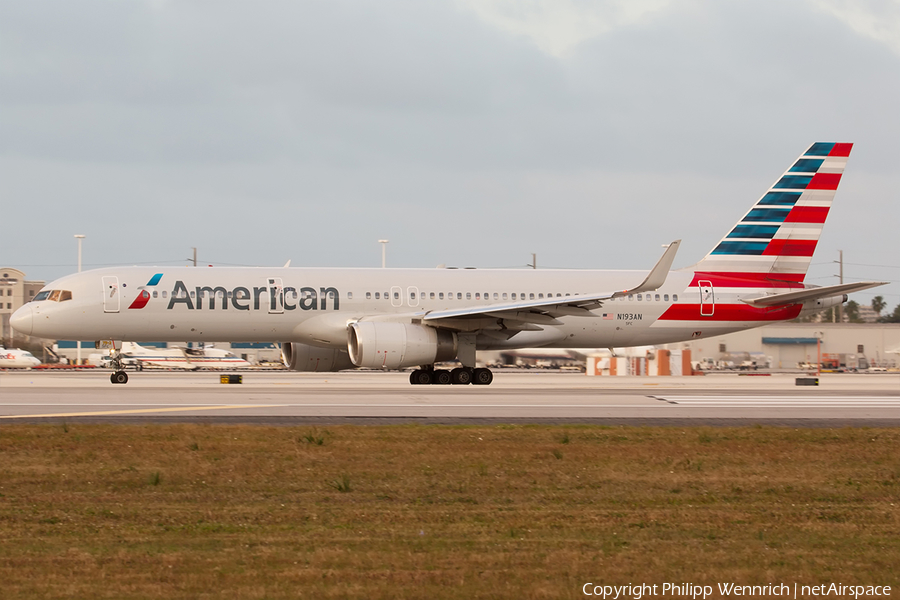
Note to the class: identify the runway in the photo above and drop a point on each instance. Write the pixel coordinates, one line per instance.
(279, 397)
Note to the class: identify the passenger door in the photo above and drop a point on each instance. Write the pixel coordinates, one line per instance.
(111, 294)
(276, 295)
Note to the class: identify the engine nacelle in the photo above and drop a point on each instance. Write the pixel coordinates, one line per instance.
(301, 357)
(820, 304)
(381, 345)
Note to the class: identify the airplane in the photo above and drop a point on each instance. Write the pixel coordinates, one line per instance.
(181, 358)
(17, 359)
(394, 319)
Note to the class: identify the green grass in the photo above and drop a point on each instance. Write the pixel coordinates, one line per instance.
(194, 511)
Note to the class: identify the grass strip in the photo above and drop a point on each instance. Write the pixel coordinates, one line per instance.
(204, 511)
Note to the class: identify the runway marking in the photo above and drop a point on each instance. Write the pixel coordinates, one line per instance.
(785, 401)
(138, 411)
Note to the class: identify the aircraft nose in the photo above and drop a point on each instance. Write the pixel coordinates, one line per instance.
(23, 320)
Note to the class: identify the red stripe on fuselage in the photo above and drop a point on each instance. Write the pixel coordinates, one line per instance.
(730, 312)
(750, 280)
(807, 214)
(790, 248)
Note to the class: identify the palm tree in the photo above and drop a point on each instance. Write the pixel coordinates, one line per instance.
(878, 304)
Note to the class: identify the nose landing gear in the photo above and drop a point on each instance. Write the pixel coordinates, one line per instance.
(119, 375)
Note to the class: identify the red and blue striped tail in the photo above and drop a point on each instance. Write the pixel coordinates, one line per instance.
(773, 244)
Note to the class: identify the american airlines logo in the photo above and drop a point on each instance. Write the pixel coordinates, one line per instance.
(254, 298)
(144, 297)
(271, 297)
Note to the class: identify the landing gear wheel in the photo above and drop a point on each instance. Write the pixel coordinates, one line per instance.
(482, 377)
(442, 377)
(420, 377)
(119, 377)
(461, 376)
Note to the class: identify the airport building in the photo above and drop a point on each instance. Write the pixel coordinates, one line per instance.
(787, 345)
(15, 291)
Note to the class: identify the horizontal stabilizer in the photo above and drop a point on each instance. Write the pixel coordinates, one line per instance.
(813, 293)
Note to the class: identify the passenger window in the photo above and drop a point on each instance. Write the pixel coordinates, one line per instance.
(666, 297)
(468, 295)
(165, 294)
(496, 296)
(396, 295)
(640, 297)
(377, 295)
(422, 296)
(459, 295)
(504, 295)
(368, 295)
(558, 295)
(567, 295)
(412, 295)
(441, 295)
(513, 295)
(540, 296)
(531, 296)
(656, 297)
(63, 295)
(674, 297)
(349, 295)
(478, 295)
(431, 295)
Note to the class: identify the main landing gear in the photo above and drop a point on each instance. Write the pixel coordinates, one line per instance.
(458, 376)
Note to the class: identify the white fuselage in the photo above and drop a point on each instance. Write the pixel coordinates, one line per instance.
(315, 306)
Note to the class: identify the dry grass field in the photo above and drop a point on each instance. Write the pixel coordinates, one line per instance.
(195, 511)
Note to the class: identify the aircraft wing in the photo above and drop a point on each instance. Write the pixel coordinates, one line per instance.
(813, 293)
(546, 311)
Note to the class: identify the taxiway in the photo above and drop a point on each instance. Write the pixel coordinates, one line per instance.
(515, 397)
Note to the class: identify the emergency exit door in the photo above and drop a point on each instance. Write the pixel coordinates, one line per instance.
(707, 299)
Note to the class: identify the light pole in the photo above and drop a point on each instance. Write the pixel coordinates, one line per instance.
(384, 244)
(78, 237)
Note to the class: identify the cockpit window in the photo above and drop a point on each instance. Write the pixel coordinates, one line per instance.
(54, 296)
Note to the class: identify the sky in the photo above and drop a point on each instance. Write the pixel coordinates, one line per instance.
(467, 132)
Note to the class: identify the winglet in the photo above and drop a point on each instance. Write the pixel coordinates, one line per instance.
(658, 275)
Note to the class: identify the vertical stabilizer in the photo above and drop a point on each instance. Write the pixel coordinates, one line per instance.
(776, 239)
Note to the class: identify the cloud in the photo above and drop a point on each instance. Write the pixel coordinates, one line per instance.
(876, 19)
(557, 27)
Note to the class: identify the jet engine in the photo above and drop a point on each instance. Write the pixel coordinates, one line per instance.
(301, 357)
(819, 304)
(381, 345)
